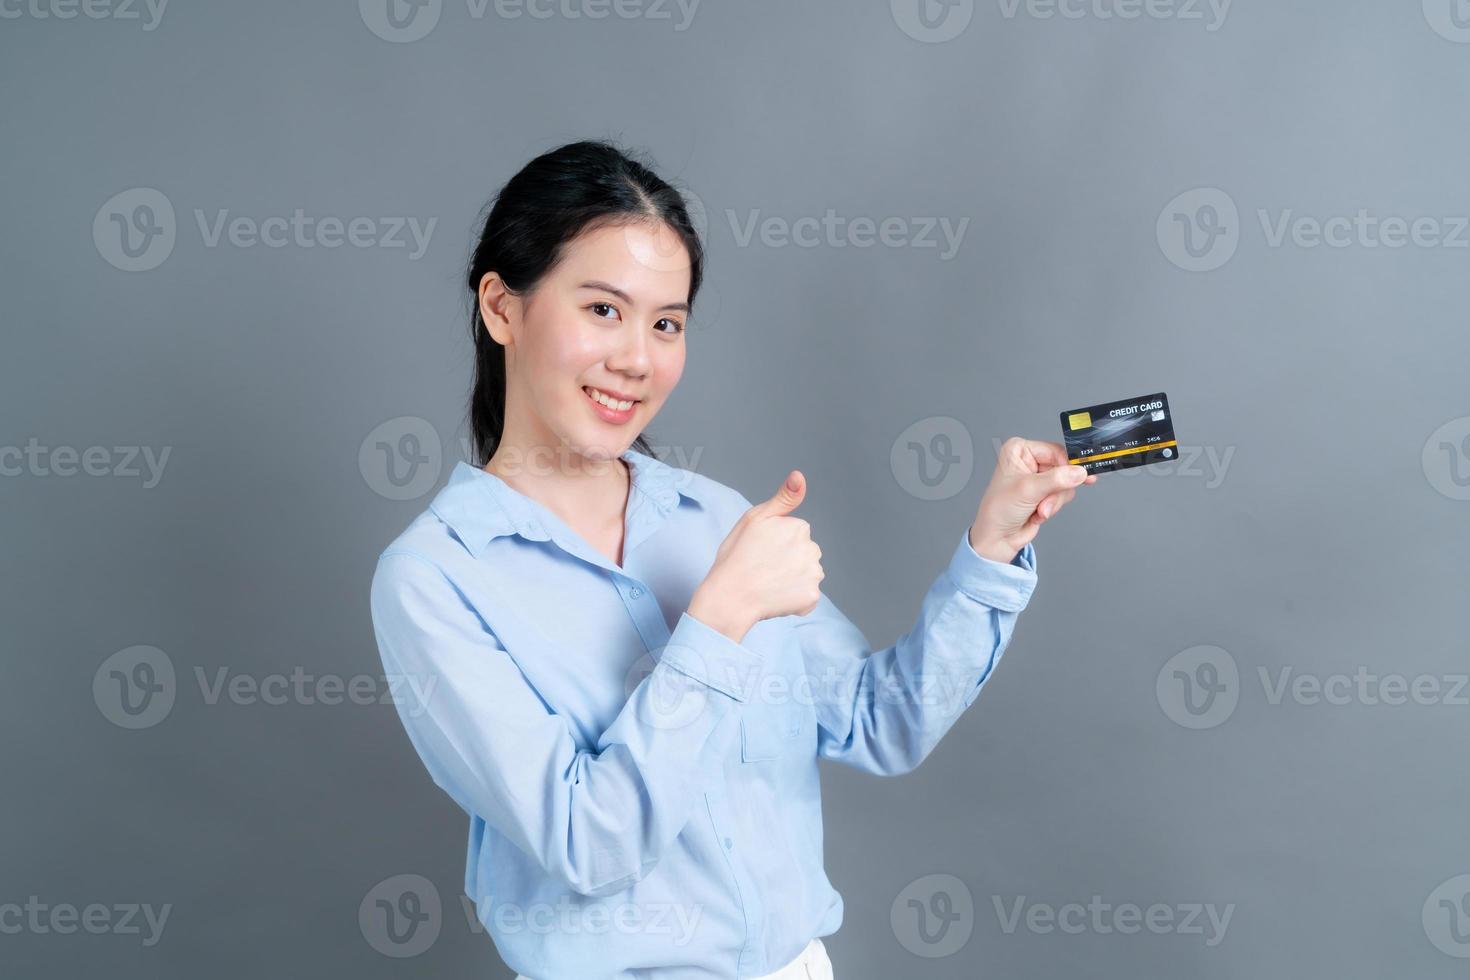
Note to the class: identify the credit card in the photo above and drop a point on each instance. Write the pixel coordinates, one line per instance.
(1120, 435)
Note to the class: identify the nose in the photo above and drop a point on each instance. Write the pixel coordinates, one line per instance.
(631, 355)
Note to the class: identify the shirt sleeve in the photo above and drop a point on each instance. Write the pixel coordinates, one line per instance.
(884, 711)
(598, 820)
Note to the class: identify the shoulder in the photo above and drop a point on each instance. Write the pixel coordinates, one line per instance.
(421, 558)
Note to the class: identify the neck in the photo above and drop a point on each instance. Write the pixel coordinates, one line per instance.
(576, 487)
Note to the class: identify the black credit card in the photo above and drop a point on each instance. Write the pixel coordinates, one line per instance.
(1120, 435)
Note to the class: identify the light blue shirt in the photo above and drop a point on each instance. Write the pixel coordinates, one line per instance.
(642, 791)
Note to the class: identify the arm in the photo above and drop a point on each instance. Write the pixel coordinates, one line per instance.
(884, 711)
(597, 820)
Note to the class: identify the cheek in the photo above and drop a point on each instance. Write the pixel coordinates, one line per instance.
(668, 370)
(566, 354)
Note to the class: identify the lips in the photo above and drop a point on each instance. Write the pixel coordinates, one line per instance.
(618, 400)
(609, 413)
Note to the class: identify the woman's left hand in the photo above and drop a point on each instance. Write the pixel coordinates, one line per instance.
(1032, 481)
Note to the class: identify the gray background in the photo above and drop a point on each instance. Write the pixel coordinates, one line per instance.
(1334, 538)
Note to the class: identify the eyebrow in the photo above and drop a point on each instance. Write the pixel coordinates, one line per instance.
(607, 287)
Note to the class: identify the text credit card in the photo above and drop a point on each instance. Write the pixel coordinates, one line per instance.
(1120, 435)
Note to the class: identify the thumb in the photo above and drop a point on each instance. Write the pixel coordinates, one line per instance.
(1047, 482)
(786, 499)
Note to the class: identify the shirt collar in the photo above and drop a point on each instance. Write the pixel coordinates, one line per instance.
(479, 506)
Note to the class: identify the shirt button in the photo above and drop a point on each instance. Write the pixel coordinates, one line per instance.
(636, 592)
(729, 843)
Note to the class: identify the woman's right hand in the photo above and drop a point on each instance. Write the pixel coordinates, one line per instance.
(767, 566)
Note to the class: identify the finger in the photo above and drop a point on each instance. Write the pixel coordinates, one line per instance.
(1047, 454)
(1040, 485)
(1091, 479)
(786, 499)
(1055, 502)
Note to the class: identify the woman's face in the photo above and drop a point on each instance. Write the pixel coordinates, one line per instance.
(609, 318)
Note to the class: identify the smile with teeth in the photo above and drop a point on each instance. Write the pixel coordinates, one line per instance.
(602, 398)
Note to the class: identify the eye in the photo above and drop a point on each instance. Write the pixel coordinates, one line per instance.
(598, 308)
(678, 327)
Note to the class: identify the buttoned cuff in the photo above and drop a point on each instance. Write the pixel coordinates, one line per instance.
(713, 659)
(1004, 587)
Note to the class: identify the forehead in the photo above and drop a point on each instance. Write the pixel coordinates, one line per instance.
(648, 261)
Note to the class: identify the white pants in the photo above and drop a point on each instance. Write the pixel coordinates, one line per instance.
(810, 964)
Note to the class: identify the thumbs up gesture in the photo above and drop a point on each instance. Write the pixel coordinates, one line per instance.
(767, 566)
(1032, 481)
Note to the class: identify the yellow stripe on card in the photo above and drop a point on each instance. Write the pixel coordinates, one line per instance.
(1125, 452)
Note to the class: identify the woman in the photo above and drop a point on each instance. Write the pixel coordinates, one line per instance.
(631, 669)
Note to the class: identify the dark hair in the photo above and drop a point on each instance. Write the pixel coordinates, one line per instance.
(554, 198)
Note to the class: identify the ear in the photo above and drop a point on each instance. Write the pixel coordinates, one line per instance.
(499, 308)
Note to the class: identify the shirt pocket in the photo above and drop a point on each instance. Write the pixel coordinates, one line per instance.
(768, 731)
